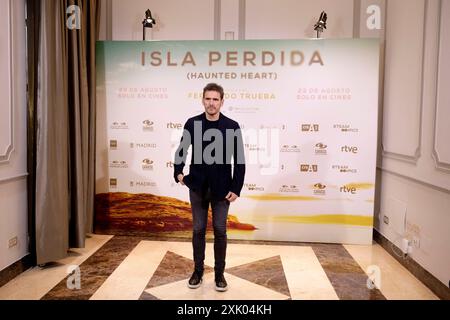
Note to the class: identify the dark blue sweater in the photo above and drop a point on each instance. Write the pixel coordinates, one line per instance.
(213, 172)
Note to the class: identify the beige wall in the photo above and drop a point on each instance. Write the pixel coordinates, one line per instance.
(13, 144)
(295, 19)
(210, 19)
(415, 166)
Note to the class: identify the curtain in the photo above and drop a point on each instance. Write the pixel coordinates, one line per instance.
(65, 127)
(33, 23)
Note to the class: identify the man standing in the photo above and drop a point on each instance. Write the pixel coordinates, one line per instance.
(215, 139)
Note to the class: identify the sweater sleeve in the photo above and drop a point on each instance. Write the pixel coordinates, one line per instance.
(182, 151)
(239, 163)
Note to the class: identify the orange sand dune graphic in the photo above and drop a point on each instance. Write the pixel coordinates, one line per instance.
(146, 214)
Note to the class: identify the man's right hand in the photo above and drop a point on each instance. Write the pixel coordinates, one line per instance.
(180, 178)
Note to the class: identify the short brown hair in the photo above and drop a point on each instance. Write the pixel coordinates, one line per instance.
(213, 87)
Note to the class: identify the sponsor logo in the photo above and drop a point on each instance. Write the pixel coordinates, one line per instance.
(118, 164)
(321, 149)
(142, 184)
(310, 127)
(113, 183)
(119, 125)
(254, 147)
(308, 168)
(344, 169)
(113, 144)
(249, 109)
(275, 126)
(253, 187)
(142, 145)
(319, 189)
(345, 128)
(288, 188)
(290, 148)
(147, 164)
(148, 125)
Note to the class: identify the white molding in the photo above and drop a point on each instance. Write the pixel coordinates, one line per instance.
(356, 18)
(242, 20)
(421, 182)
(4, 158)
(439, 164)
(408, 157)
(217, 18)
(109, 7)
(400, 156)
(12, 178)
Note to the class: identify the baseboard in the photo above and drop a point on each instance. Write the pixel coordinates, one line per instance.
(15, 269)
(417, 270)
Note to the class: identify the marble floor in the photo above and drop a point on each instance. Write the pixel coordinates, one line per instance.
(133, 268)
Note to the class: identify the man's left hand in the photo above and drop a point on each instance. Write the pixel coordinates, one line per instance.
(231, 196)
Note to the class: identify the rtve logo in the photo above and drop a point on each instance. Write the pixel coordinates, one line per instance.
(349, 149)
(169, 164)
(177, 126)
(347, 189)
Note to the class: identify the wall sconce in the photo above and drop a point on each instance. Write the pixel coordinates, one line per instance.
(148, 22)
(321, 24)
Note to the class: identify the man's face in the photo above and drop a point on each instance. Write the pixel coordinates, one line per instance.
(212, 102)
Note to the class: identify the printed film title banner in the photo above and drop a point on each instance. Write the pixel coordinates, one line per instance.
(308, 111)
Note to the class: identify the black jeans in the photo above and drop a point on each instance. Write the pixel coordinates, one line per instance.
(200, 203)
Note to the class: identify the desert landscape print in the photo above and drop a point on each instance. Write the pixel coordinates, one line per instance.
(143, 214)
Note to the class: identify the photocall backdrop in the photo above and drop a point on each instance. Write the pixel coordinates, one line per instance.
(308, 111)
